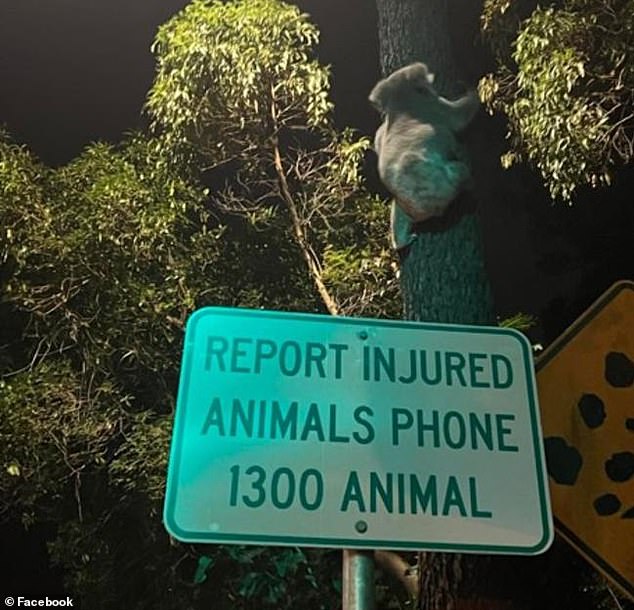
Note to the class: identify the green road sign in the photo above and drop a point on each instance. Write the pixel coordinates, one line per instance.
(296, 429)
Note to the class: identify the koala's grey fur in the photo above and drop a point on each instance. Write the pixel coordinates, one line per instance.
(420, 160)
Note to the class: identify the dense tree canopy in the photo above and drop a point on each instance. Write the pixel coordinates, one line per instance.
(565, 81)
(237, 91)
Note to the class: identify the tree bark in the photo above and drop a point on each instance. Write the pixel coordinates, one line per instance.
(443, 277)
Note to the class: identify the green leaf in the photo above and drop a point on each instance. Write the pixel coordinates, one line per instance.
(205, 563)
(13, 470)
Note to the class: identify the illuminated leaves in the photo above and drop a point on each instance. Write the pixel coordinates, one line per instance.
(238, 95)
(227, 72)
(566, 84)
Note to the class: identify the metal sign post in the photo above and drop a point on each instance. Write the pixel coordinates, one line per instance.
(358, 580)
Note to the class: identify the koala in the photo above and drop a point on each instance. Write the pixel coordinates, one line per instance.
(420, 160)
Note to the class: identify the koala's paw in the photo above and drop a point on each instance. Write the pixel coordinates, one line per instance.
(402, 234)
(403, 239)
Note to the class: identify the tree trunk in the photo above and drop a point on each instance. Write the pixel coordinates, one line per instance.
(443, 278)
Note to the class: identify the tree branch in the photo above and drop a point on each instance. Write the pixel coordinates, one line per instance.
(312, 262)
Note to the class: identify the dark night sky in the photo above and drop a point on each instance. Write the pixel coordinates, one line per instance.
(76, 71)
(73, 71)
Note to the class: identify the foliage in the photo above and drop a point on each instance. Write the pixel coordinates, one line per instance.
(20, 198)
(566, 87)
(520, 321)
(40, 468)
(358, 264)
(244, 196)
(226, 73)
(237, 92)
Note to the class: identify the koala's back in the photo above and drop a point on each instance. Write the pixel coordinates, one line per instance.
(410, 137)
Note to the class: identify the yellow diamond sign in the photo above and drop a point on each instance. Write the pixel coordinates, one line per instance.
(586, 392)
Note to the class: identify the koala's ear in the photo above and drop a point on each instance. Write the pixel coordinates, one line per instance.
(430, 77)
(379, 96)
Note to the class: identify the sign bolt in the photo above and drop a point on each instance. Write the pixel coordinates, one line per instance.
(361, 527)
